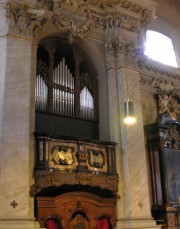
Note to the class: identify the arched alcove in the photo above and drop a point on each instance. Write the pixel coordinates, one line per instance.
(63, 71)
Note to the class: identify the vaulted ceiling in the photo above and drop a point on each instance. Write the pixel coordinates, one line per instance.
(169, 11)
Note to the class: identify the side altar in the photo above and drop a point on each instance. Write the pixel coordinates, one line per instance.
(163, 146)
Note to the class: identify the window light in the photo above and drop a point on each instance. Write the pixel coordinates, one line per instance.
(160, 48)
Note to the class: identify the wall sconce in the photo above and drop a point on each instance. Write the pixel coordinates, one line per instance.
(129, 117)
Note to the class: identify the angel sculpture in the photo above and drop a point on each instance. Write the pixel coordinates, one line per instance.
(163, 103)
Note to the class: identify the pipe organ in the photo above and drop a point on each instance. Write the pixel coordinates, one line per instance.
(41, 93)
(63, 93)
(63, 90)
(86, 104)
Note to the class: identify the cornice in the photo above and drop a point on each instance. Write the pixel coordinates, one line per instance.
(163, 81)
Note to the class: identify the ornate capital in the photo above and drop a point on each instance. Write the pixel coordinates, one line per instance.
(23, 21)
(128, 53)
(121, 52)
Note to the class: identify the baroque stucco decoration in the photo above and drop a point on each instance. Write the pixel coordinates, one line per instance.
(93, 18)
(23, 21)
(89, 18)
(121, 52)
(158, 80)
(83, 18)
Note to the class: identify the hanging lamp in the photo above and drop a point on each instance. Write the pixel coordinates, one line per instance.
(129, 117)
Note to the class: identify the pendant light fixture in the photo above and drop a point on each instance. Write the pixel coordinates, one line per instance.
(129, 117)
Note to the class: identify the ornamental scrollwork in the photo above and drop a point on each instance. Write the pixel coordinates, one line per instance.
(34, 189)
(62, 155)
(84, 179)
(158, 79)
(82, 17)
(78, 17)
(120, 52)
(75, 26)
(23, 22)
(86, 80)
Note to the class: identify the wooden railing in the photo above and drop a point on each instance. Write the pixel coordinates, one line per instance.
(63, 160)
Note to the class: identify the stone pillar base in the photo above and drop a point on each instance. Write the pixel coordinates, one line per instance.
(18, 224)
(137, 223)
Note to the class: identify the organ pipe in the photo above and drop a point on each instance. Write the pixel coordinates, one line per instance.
(63, 91)
(63, 94)
(41, 93)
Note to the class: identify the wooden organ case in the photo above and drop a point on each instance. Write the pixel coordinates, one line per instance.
(163, 142)
(75, 181)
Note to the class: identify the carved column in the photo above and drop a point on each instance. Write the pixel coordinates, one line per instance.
(16, 117)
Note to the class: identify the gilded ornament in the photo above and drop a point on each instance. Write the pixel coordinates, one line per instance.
(22, 21)
(173, 109)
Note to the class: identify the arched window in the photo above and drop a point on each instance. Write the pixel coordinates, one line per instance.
(160, 48)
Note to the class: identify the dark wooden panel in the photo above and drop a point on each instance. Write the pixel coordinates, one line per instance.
(65, 126)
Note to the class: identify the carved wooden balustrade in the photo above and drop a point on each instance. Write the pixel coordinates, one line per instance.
(74, 161)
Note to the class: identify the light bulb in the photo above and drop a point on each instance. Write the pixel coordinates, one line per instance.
(129, 117)
(129, 120)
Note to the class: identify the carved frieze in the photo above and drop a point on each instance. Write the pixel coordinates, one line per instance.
(161, 80)
(23, 21)
(46, 179)
(82, 17)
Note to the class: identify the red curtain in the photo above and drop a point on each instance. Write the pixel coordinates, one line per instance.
(52, 223)
(102, 223)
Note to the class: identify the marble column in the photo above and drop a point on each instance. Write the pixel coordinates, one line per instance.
(16, 128)
(135, 194)
(133, 206)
